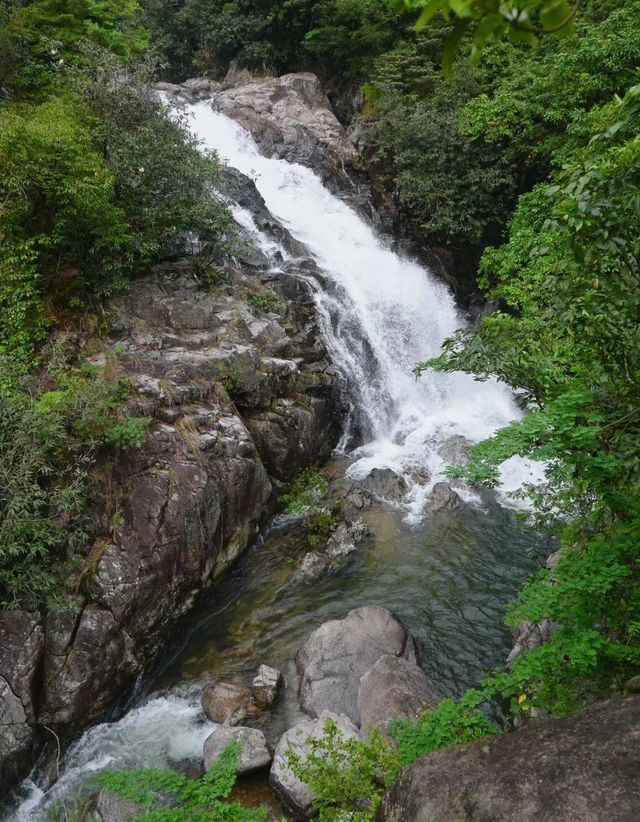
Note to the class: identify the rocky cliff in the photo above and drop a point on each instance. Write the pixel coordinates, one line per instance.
(227, 360)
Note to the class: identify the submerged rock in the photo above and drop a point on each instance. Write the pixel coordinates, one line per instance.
(265, 686)
(255, 752)
(394, 687)
(578, 768)
(294, 794)
(228, 702)
(338, 653)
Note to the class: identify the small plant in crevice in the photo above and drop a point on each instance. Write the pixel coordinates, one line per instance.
(308, 497)
(265, 301)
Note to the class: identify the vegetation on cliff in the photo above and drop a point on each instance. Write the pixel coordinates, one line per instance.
(97, 181)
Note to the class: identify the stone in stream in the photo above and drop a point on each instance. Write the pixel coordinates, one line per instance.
(338, 653)
(228, 702)
(578, 768)
(394, 687)
(255, 752)
(294, 794)
(443, 498)
(265, 686)
(385, 483)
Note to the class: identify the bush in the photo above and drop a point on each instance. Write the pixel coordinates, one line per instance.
(195, 799)
(308, 497)
(49, 442)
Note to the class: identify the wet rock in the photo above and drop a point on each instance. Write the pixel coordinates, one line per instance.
(21, 650)
(385, 483)
(294, 794)
(443, 498)
(109, 807)
(455, 450)
(347, 538)
(394, 687)
(313, 564)
(338, 653)
(255, 752)
(291, 118)
(529, 635)
(578, 768)
(265, 686)
(228, 702)
(200, 88)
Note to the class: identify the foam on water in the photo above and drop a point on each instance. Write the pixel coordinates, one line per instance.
(383, 315)
(161, 733)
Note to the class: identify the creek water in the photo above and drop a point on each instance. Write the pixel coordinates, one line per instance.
(448, 577)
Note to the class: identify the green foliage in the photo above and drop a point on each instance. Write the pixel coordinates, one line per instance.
(450, 723)
(59, 224)
(347, 777)
(42, 38)
(199, 800)
(308, 497)
(49, 441)
(569, 280)
(522, 21)
(263, 301)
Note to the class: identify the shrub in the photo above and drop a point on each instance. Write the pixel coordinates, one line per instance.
(195, 799)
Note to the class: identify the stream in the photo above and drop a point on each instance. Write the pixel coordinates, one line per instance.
(447, 577)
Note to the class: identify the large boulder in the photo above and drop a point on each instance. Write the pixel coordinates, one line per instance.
(394, 687)
(385, 483)
(578, 768)
(338, 653)
(294, 794)
(290, 117)
(255, 752)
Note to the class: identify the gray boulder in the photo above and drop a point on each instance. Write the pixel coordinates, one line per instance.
(385, 483)
(294, 794)
(265, 686)
(443, 498)
(255, 752)
(579, 768)
(337, 654)
(228, 702)
(394, 687)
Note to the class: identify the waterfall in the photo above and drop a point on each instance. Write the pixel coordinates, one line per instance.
(382, 315)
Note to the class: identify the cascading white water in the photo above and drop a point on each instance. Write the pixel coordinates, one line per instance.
(383, 316)
(163, 733)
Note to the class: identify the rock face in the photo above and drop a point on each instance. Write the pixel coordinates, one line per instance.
(394, 687)
(21, 652)
(237, 397)
(579, 768)
(255, 752)
(228, 702)
(290, 117)
(334, 658)
(294, 794)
